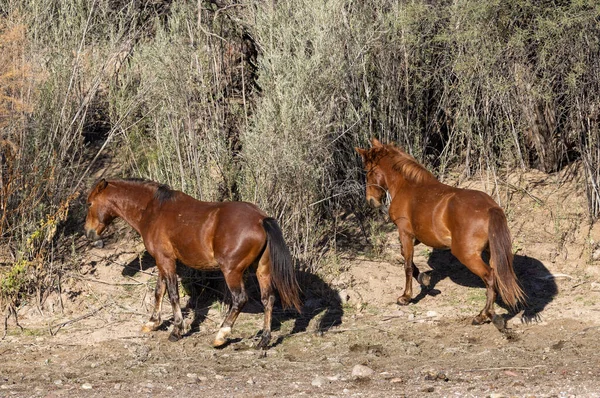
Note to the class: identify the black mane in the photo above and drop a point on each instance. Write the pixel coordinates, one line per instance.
(162, 193)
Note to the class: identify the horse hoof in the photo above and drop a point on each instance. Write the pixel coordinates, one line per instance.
(403, 300)
(149, 327)
(173, 338)
(221, 337)
(424, 279)
(499, 322)
(263, 343)
(219, 343)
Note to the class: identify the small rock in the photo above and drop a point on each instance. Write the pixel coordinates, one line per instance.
(250, 381)
(86, 386)
(117, 386)
(362, 371)
(411, 317)
(396, 380)
(596, 255)
(192, 375)
(497, 395)
(58, 382)
(595, 287)
(431, 314)
(219, 377)
(432, 375)
(319, 381)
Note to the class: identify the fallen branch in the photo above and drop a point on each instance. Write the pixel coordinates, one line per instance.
(505, 368)
(535, 198)
(555, 276)
(89, 314)
(136, 283)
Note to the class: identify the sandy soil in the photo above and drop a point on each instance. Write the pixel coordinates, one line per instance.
(352, 339)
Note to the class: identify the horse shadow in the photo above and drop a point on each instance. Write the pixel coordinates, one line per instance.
(321, 305)
(535, 279)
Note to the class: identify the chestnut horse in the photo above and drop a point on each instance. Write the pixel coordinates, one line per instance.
(438, 215)
(231, 236)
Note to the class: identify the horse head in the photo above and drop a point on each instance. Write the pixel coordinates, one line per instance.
(375, 181)
(99, 214)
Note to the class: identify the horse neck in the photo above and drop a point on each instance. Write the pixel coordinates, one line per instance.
(130, 203)
(394, 181)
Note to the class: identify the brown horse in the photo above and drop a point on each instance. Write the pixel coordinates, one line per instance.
(231, 236)
(438, 215)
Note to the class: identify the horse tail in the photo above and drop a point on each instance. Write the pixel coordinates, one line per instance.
(501, 259)
(282, 266)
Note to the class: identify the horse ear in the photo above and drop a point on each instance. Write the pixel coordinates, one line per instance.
(361, 152)
(375, 142)
(101, 185)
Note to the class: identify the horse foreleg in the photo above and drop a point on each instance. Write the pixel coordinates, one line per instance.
(238, 299)
(173, 289)
(166, 268)
(407, 252)
(159, 292)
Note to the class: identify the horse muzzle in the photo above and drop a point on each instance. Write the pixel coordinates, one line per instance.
(374, 203)
(93, 236)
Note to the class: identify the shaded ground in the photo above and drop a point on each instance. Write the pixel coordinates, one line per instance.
(92, 346)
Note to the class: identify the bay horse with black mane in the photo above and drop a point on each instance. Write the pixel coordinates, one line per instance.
(427, 211)
(174, 226)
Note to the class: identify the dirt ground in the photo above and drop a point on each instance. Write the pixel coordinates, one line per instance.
(352, 339)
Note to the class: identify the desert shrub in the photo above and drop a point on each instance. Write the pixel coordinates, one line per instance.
(50, 108)
(264, 102)
(185, 96)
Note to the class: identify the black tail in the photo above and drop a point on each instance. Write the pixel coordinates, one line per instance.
(282, 266)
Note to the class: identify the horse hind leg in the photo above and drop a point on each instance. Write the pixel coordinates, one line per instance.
(267, 296)
(239, 298)
(476, 265)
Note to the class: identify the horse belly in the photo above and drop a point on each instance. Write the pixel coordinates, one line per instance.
(432, 232)
(436, 243)
(197, 257)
